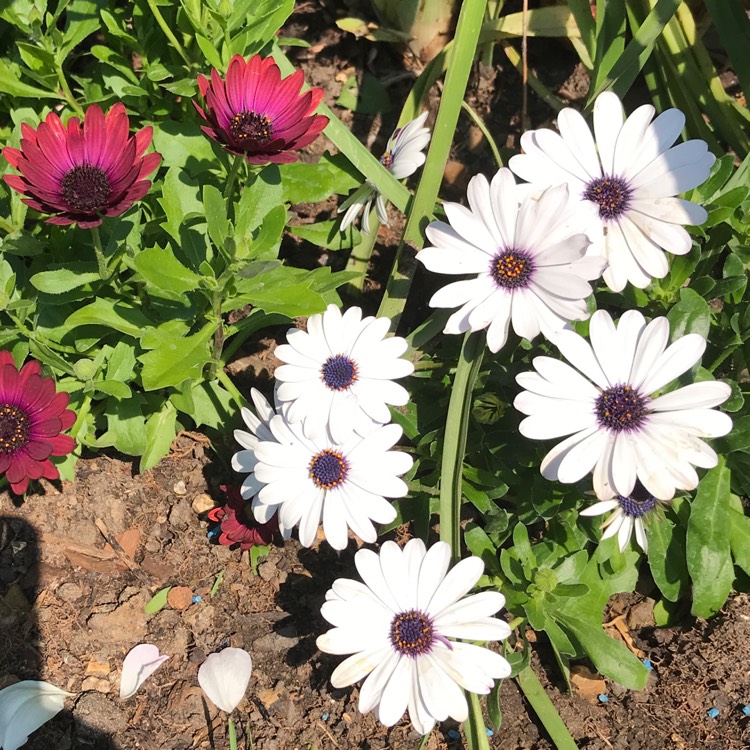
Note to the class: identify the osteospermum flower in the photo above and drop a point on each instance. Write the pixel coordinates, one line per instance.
(400, 626)
(630, 173)
(344, 485)
(629, 514)
(529, 259)
(81, 172)
(403, 156)
(32, 416)
(256, 114)
(608, 402)
(237, 524)
(338, 375)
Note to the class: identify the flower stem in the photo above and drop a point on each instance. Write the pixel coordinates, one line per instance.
(545, 709)
(100, 259)
(225, 380)
(454, 443)
(465, 43)
(477, 120)
(66, 90)
(156, 13)
(232, 735)
(476, 734)
(232, 177)
(359, 260)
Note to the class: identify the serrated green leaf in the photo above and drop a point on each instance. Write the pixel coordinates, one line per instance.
(162, 269)
(11, 84)
(216, 215)
(312, 183)
(709, 558)
(160, 434)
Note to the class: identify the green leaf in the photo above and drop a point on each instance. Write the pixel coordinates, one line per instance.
(209, 52)
(609, 656)
(260, 195)
(11, 84)
(113, 388)
(161, 269)
(739, 534)
(216, 215)
(709, 557)
(267, 240)
(158, 601)
(160, 434)
(67, 277)
(366, 98)
(120, 316)
(176, 359)
(327, 234)
(690, 315)
(312, 183)
(208, 403)
(666, 557)
(481, 546)
(126, 426)
(179, 200)
(183, 145)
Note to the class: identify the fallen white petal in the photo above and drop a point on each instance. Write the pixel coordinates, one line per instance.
(26, 706)
(139, 664)
(224, 677)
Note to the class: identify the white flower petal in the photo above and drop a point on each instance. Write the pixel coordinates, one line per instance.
(357, 666)
(706, 394)
(24, 707)
(395, 696)
(139, 664)
(608, 121)
(224, 677)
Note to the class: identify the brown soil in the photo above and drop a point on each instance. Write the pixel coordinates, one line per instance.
(70, 609)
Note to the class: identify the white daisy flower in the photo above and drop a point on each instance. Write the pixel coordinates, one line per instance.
(399, 626)
(244, 461)
(530, 260)
(338, 375)
(629, 515)
(344, 484)
(403, 156)
(630, 173)
(607, 401)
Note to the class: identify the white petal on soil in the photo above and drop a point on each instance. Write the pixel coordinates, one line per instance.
(24, 707)
(139, 664)
(224, 677)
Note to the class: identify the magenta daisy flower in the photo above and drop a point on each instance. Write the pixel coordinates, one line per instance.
(237, 524)
(256, 114)
(32, 416)
(79, 172)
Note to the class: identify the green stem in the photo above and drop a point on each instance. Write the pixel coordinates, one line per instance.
(156, 13)
(81, 414)
(67, 91)
(479, 122)
(465, 44)
(232, 735)
(101, 261)
(454, 442)
(359, 260)
(226, 381)
(545, 710)
(232, 177)
(476, 734)
(243, 329)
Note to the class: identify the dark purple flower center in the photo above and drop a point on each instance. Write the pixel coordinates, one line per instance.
(511, 269)
(640, 502)
(14, 428)
(339, 372)
(85, 187)
(387, 160)
(611, 194)
(328, 469)
(251, 128)
(621, 408)
(412, 633)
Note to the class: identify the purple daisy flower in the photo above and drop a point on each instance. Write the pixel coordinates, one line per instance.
(256, 114)
(81, 172)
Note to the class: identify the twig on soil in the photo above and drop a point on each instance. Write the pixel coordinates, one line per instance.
(325, 729)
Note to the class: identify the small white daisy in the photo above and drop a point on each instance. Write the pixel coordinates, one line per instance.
(399, 626)
(619, 429)
(338, 375)
(344, 485)
(630, 173)
(629, 514)
(403, 156)
(244, 461)
(530, 260)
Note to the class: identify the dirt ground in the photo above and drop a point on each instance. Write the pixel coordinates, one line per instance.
(71, 607)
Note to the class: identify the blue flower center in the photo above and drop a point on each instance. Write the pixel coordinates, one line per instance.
(636, 507)
(339, 372)
(512, 269)
(412, 633)
(621, 408)
(251, 128)
(85, 188)
(328, 469)
(611, 194)
(14, 428)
